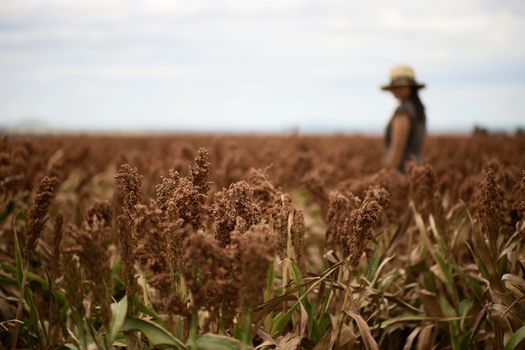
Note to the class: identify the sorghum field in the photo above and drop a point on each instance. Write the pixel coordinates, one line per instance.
(237, 242)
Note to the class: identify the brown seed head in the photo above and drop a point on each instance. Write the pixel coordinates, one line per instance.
(316, 185)
(37, 214)
(256, 251)
(490, 208)
(422, 186)
(151, 250)
(99, 211)
(129, 183)
(296, 226)
(188, 204)
(167, 188)
(73, 284)
(200, 170)
(207, 271)
(265, 195)
(341, 205)
(236, 201)
(93, 250)
(363, 221)
(127, 244)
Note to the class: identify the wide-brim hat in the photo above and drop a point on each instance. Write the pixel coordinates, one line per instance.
(402, 76)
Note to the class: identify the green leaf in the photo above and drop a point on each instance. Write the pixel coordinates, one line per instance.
(481, 266)
(324, 323)
(475, 287)
(298, 279)
(502, 264)
(316, 333)
(5, 281)
(449, 311)
(118, 315)
(296, 274)
(156, 334)
(464, 308)
(448, 274)
(33, 277)
(219, 342)
(515, 339)
(281, 320)
(268, 292)
(465, 340)
(144, 309)
(372, 265)
(404, 318)
(33, 320)
(29, 275)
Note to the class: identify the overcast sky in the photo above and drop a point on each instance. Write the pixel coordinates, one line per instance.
(257, 66)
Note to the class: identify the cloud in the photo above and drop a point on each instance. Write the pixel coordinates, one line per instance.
(212, 62)
(105, 73)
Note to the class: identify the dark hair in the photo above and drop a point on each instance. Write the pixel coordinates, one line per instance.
(420, 109)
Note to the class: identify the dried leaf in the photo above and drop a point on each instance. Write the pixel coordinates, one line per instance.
(425, 341)
(364, 330)
(346, 336)
(410, 339)
(515, 284)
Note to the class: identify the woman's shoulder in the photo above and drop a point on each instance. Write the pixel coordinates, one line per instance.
(407, 107)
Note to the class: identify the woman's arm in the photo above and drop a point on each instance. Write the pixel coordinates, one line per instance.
(400, 130)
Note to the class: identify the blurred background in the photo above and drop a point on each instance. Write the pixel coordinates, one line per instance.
(236, 66)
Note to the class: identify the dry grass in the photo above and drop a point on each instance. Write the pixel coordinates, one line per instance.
(155, 242)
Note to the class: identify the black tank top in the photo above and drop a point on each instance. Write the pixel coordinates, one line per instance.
(416, 133)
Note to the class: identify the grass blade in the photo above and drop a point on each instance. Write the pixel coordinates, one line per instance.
(219, 342)
(118, 316)
(515, 339)
(156, 334)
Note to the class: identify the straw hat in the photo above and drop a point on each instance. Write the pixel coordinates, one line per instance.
(402, 76)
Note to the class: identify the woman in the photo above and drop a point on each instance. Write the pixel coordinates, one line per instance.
(406, 130)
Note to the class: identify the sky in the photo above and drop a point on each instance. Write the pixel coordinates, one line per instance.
(242, 65)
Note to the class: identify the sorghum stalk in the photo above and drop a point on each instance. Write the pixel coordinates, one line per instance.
(35, 221)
